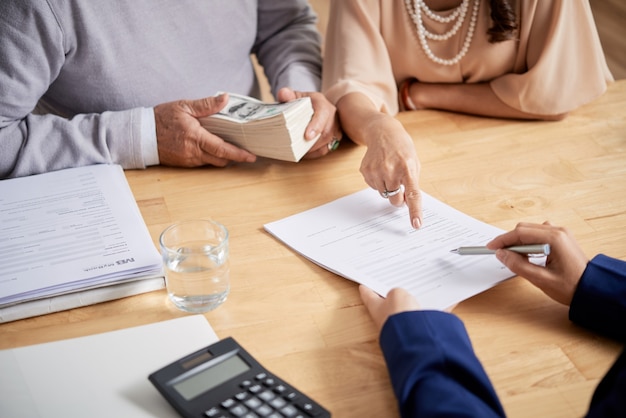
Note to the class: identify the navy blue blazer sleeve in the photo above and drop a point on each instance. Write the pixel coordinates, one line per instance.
(434, 371)
(433, 368)
(599, 303)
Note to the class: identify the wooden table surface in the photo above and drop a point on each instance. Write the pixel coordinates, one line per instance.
(308, 325)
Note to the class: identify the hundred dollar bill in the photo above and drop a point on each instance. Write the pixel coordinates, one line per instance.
(243, 109)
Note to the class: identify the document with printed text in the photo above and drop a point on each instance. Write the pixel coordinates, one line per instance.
(363, 238)
(69, 231)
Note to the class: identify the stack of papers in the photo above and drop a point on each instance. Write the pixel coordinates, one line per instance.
(69, 232)
(363, 238)
(272, 130)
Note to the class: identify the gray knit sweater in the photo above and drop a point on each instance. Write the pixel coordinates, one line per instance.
(77, 75)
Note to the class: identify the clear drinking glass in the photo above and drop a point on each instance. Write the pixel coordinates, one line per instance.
(197, 268)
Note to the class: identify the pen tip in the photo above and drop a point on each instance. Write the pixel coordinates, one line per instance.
(456, 250)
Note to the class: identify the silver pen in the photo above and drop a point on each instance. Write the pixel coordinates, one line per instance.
(534, 249)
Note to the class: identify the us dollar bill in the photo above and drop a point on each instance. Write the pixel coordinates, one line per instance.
(245, 109)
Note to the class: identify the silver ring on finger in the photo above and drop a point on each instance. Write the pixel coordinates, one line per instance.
(389, 193)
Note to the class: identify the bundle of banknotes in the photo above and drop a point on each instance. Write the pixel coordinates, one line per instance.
(271, 130)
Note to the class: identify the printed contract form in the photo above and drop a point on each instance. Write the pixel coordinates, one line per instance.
(363, 238)
(69, 231)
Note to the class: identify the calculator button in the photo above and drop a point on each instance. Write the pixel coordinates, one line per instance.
(275, 415)
(289, 411)
(280, 388)
(267, 395)
(255, 388)
(269, 382)
(228, 403)
(278, 403)
(238, 410)
(264, 410)
(308, 407)
(292, 396)
(212, 412)
(260, 376)
(241, 396)
(250, 415)
(253, 403)
(246, 383)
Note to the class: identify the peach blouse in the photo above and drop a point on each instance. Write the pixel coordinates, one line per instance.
(555, 66)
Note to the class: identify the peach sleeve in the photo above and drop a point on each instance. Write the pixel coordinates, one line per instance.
(356, 57)
(565, 64)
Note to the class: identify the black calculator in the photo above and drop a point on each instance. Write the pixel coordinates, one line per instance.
(224, 380)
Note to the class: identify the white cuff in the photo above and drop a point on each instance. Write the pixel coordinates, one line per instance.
(149, 149)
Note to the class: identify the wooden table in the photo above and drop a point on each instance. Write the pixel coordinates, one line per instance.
(309, 326)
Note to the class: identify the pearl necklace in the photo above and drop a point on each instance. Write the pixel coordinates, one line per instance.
(457, 16)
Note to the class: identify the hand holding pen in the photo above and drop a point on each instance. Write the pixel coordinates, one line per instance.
(530, 250)
(565, 263)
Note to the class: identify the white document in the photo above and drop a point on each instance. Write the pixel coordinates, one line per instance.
(365, 239)
(80, 298)
(70, 230)
(103, 375)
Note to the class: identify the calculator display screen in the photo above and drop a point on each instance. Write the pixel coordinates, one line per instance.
(209, 378)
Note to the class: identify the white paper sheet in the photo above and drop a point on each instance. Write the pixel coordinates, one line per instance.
(103, 375)
(363, 238)
(80, 298)
(68, 230)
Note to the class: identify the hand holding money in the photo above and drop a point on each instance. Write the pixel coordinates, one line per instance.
(183, 142)
(272, 130)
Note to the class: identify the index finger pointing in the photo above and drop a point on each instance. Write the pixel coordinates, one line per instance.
(413, 199)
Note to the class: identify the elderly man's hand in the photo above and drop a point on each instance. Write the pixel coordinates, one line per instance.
(183, 142)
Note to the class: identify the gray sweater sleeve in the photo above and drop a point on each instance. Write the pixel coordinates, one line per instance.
(32, 52)
(288, 45)
(90, 68)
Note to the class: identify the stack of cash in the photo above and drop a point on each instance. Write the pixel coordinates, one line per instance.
(272, 130)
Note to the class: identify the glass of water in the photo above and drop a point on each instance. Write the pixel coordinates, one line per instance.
(197, 269)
